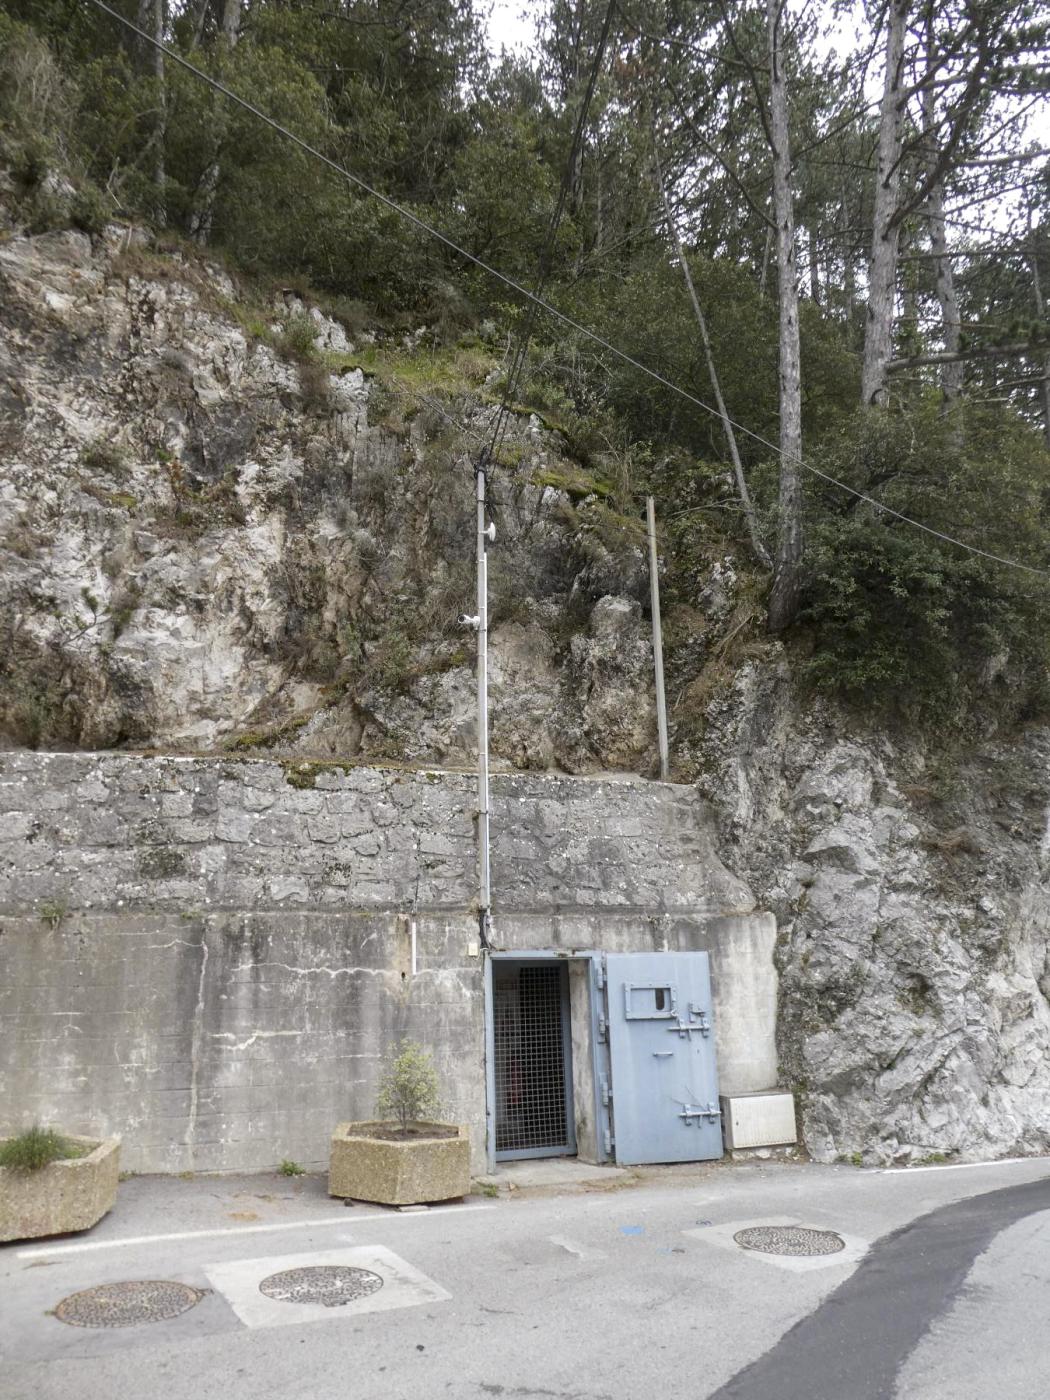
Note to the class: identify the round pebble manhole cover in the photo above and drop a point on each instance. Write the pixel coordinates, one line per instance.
(789, 1239)
(125, 1304)
(331, 1285)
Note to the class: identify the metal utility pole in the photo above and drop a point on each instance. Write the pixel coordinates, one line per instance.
(486, 534)
(658, 641)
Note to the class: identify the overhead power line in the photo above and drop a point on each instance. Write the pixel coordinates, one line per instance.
(546, 260)
(546, 306)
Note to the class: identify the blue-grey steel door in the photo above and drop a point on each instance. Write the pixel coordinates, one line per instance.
(664, 1089)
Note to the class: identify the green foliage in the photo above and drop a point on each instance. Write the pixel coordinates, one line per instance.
(283, 732)
(36, 1148)
(101, 455)
(893, 619)
(43, 138)
(903, 621)
(576, 484)
(502, 193)
(36, 707)
(408, 1090)
(89, 209)
(288, 1167)
(297, 338)
(53, 911)
(303, 775)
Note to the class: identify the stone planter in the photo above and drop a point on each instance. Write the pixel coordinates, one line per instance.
(399, 1172)
(62, 1196)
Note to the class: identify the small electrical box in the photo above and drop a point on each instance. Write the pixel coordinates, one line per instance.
(764, 1119)
(473, 949)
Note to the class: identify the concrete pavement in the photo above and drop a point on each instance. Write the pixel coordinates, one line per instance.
(594, 1296)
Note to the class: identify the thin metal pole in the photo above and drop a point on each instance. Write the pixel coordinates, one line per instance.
(658, 640)
(485, 892)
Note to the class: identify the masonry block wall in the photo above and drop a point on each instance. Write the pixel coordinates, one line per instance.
(212, 957)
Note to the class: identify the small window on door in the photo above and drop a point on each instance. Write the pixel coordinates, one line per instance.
(650, 1001)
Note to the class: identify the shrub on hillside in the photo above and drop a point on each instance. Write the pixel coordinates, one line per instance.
(899, 618)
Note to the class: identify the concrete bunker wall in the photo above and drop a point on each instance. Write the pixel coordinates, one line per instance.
(212, 957)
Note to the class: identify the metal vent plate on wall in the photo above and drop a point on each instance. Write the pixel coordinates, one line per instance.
(795, 1240)
(128, 1304)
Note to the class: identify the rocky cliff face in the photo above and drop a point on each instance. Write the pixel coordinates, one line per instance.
(225, 523)
(217, 524)
(914, 913)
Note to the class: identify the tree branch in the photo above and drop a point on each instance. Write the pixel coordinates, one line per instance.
(715, 154)
(984, 352)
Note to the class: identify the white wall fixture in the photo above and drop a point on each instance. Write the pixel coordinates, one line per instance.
(765, 1119)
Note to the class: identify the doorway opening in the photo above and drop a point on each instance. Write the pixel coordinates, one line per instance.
(532, 1054)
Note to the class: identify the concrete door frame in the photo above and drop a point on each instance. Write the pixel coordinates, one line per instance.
(552, 955)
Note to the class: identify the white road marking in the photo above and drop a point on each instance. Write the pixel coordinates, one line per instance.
(48, 1252)
(404, 1286)
(959, 1166)
(574, 1247)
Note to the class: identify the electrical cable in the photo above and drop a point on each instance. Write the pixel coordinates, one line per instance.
(547, 252)
(553, 311)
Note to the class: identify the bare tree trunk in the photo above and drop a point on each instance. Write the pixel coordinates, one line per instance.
(882, 269)
(159, 171)
(200, 16)
(746, 505)
(766, 251)
(599, 205)
(144, 20)
(909, 303)
(787, 570)
(814, 264)
(203, 211)
(150, 19)
(849, 269)
(231, 20)
(1040, 310)
(944, 278)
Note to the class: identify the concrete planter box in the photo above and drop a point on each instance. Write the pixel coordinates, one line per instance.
(394, 1172)
(63, 1196)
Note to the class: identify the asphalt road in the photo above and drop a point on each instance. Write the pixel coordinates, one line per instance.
(942, 1292)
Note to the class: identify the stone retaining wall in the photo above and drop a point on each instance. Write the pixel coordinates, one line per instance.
(211, 957)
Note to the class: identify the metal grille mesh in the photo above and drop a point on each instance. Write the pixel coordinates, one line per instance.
(530, 1060)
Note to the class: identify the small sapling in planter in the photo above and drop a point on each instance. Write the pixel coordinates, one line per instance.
(52, 1183)
(403, 1157)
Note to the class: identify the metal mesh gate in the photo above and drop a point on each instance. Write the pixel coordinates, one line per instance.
(532, 1059)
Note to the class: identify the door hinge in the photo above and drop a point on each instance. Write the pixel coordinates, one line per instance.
(599, 977)
(609, 1140)
(607, 1093)
(601, 1028)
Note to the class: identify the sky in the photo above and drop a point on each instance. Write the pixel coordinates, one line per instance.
(511, 24)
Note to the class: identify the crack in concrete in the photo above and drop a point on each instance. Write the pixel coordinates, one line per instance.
(255, 1035)
(195, 1052)
(331, 972)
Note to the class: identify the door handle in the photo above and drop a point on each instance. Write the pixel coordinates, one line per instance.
(662, 1054)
